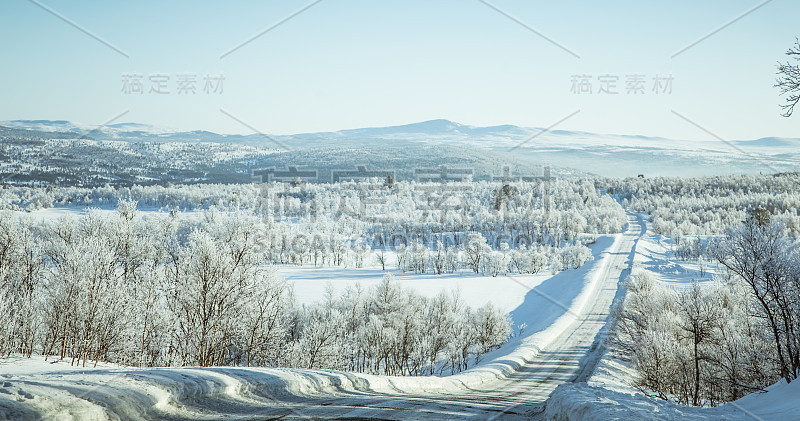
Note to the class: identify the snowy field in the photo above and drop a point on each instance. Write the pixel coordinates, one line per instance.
(311, 284)
(655, 254)
(585, 402)
(52, 214)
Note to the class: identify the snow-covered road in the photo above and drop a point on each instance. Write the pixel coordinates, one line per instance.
(512, 383)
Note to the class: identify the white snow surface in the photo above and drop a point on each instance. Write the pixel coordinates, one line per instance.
(312, 283)
(53, 214)
(581, 401)
(654, 252)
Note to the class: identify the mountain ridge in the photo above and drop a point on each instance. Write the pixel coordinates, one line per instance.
(131, 131)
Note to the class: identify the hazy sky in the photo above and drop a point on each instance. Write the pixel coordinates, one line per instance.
(345, 64)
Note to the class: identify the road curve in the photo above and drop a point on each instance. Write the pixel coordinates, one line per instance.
(570, 357)
(518, 390)
(522, 394)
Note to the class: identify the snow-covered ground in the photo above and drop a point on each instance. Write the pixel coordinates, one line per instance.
(52, 214)
(312, 283)
(581, 401)
(655, 254)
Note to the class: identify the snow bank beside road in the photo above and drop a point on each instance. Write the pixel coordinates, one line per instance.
(544, 308)
(579, 401)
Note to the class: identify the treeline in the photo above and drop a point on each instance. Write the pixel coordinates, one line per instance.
(433, 226)
(524, 227)
(709, 205)
(714, 344)
(530, 213)
(163, 290)
(390, 330)
(477, 256)
(178, 197)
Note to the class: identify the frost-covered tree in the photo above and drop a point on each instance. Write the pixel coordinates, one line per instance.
(789, 80)
(760, 254)
(699, 346)
(475, 249)
(20, 285)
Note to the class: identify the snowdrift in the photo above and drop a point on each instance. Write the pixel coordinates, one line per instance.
(581, 401)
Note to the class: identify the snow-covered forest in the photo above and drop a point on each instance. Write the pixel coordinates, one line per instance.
(518, 227)
(173, 288)
(162, 290)
(709, 205)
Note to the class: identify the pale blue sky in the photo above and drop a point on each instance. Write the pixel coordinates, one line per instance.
(346, 64)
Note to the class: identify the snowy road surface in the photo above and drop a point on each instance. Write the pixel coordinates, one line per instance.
(513, 384)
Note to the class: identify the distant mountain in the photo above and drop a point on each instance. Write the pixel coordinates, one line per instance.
(109, 131)
(425, 127)
(771, 142)
(607, 154)
(33, 157)
(147, 133)
(433, 127)
(13, 132)
(43, 125)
